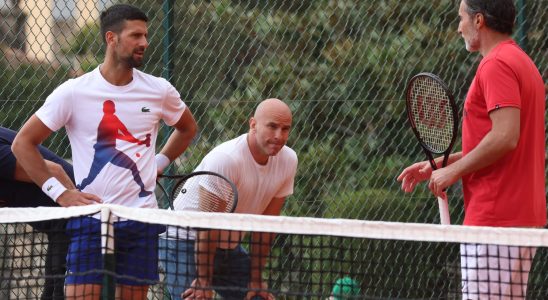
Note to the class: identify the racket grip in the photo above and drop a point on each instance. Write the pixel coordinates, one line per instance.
(444, 211)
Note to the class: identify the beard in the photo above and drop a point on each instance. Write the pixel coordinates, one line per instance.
(472, 43)
(132, 62)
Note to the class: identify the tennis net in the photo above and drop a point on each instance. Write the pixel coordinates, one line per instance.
(308, 258)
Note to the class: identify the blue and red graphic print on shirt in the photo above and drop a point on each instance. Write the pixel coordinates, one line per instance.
(111, 129)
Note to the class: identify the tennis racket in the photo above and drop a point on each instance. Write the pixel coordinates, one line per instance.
(214, 192)
(433, 115)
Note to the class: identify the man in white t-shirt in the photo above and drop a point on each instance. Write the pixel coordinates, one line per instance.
(263, 169)
(111, 116)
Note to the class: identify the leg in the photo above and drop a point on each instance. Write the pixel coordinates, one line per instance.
(510, 265)
(131, 292)
(136, 247)
(123, 161)
(493, 271)
(84, 263)
(177, 257)
(100, 159)
(232, 270)
(83, 291)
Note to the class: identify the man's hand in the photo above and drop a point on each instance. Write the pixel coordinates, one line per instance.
(414, 174)
(258, 290)
(74, 197)
(442, 179)
(199, 290)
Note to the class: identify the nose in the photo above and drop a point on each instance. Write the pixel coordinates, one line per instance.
(144, 42)
(280, 134)
(277, 134)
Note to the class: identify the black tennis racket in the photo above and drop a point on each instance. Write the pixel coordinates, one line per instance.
(434, 118)
(213, 192)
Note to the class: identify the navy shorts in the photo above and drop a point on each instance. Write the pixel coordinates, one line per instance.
(135, 248)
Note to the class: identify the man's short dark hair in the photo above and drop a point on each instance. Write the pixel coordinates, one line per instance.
(499, 14)
(114, 17)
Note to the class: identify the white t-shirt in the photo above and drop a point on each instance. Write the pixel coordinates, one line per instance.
(257, 184)
(140, 105)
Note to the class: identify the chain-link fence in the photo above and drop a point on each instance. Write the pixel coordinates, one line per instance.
(341, 65)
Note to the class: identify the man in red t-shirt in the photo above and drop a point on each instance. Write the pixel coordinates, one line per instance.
(503, 151)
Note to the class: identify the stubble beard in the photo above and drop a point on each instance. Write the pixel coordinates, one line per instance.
(472, 43)
(133, 63)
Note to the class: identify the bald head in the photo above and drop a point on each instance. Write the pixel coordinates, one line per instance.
(272, 107)
(269, 129)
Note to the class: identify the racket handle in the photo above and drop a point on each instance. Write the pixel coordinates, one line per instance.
(444, 211)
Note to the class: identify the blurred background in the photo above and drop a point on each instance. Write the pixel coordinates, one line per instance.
(341, 65)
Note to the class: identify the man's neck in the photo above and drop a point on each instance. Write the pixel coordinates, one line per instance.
(492, 39)
(255, 152)
(116, 73)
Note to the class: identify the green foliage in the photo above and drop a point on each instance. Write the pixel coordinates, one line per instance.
(87, 41)
(341, 65)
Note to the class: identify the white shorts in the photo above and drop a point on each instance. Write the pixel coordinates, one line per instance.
(494, 271)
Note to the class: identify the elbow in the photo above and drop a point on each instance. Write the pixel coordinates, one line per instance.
(513, 140)
(510, 143)
(513, 144)
(193, 130)
(190, 131)
(16, 146)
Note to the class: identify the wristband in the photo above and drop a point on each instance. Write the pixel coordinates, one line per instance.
(162, 162)
(53, 188)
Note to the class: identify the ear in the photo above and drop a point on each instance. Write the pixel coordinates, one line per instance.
(479, 20)
(252, 124)
(110, 37)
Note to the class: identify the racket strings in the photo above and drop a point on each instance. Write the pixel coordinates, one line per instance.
(211, 193)
(432, 114)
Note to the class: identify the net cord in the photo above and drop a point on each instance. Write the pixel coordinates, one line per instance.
(295, 225)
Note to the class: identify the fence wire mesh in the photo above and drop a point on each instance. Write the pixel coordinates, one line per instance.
(341, 65)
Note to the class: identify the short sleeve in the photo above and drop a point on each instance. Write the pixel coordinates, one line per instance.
(221, 163)
(500, 85)
(173, 106)
(287, 188)
(57, 109)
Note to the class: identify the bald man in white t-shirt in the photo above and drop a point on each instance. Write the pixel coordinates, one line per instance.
(263, 169)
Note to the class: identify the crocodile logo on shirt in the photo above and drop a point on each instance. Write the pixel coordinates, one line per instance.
(145, 109)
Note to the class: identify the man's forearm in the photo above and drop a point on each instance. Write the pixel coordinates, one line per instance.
(206, 246)
(58, 172)
(453, 157)
(25, 149)
(260, 250)
(31, 161)
(177, 143)
(486, 153)
(180, 139)
(499, 141)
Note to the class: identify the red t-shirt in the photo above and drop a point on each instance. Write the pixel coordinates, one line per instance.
(510, 192)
